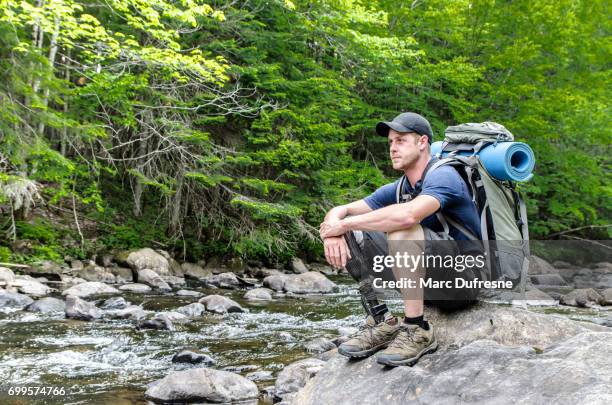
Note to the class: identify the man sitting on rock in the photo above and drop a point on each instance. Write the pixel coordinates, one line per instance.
(392, 222)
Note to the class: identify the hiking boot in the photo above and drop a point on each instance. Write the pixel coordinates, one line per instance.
(371, 338)
(411, 343)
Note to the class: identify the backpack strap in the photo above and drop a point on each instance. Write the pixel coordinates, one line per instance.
(444, 220)
(431, 166)
(400, 197)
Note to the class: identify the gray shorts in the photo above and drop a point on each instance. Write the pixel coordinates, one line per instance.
(437, 271)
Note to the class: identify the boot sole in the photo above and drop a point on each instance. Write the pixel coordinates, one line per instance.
(411, 361)
(363, 353)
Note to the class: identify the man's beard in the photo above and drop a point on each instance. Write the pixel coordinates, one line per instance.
(409, 163)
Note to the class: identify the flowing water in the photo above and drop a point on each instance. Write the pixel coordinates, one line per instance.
(110, 361)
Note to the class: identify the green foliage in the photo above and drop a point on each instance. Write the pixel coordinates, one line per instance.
(264, 246)
(247, 124)
(5, 254)
(129, 235)
(39, 230)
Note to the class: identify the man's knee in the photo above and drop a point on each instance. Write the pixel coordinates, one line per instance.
(413, 233)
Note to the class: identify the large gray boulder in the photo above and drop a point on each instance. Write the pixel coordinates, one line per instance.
(202, 385)
(275, 282)
(192, 310)
(159, 322)
(224, 280)
(537, 297)
(174, 267)
(258, 294)
(263, 272)
(136, 288)
(93, 272)
(294, 376)
(596, 277)
(47, 305)
(47, 268)
(220, 304)
(548, 279)
(146, 259)
(30, 286)
(77, 308)
(574, 371)
(537, 265)
(173, 316)
(298, 266)
(6, 275)
(122, 274)
(13, 300)
(311, 282)
(323, 269)
(69, 281)
(319, 345)
(510, 326)
(174, 281)
(582, 297)
(194, 271)
(152, 279)
(90, 288)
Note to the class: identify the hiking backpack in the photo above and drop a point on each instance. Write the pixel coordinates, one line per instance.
(502, 210)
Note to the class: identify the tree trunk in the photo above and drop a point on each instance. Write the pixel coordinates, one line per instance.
(175, 217)
(64, 135)
(138, 187)
(52, 55)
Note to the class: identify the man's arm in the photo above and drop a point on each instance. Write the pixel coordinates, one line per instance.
(342, 211)
(388, 219)
(336, 250)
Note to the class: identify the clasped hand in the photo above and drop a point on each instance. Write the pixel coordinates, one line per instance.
(337, 252)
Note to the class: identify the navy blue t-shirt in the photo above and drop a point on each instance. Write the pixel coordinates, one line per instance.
(446, 186)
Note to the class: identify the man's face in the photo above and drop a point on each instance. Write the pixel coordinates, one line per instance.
(405, 148)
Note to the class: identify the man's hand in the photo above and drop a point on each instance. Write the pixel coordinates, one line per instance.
(329, 229)
(337, 251)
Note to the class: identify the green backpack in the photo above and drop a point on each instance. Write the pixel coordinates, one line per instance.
(503, 215)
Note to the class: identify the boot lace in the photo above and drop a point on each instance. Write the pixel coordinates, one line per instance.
(405, 337)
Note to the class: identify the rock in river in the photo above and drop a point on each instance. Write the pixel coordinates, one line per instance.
(296, 375)
(147, 259)
(77, 308)
(90, 288)
(202, 385)
(151, 278)
(136, 288)
(220, 304)
(259, 294)
(311, 282)
(192, 310)
(188, 356)
(14, 300)
(47, 305)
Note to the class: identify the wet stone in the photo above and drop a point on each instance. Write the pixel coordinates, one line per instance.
(188, 356)
(115, 303)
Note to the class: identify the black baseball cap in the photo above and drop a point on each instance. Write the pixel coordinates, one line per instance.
(406, 122)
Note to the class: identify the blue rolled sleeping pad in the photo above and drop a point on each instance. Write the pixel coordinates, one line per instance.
(512, 161)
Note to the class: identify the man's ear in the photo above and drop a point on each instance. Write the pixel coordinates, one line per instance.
(423, 142)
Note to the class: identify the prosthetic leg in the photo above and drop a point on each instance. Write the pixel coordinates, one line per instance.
(357, 266)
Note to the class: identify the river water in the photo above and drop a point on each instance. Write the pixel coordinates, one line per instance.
(110, 361)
